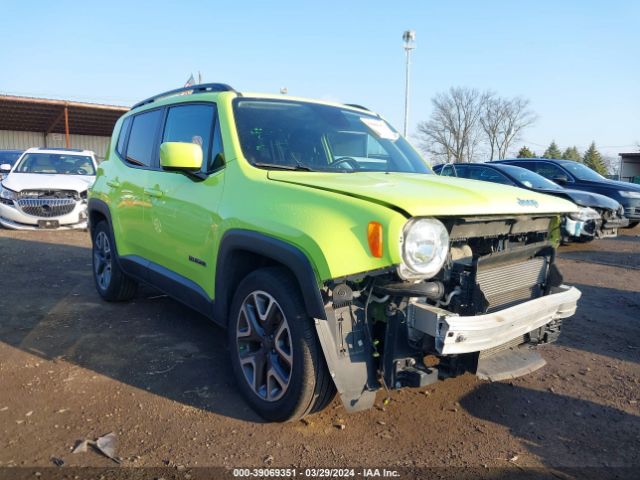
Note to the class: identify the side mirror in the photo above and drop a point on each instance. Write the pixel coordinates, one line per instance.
(561, 179)
(5, 168)
(181, 156)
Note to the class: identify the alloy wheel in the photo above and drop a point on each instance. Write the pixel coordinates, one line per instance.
(102, 260)
(264, 346)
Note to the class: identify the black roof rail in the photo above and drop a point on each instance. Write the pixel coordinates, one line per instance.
(355, 105)
(201, 88)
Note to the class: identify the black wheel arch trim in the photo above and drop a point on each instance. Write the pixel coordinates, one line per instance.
(272, 248)
(99, 206)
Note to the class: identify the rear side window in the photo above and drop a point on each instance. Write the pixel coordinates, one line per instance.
(141, 148)
(488, 175)
(549, 170)
(123, 136)
(191, 124)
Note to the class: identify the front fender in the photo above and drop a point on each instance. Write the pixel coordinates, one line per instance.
(239, 240)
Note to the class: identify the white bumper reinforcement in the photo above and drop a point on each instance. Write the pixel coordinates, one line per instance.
(455, 334)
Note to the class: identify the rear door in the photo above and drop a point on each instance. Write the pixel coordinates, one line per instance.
(183, 219)
(137, 148)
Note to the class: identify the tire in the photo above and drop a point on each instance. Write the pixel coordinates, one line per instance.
(633, 224)
(271, 335)
(111, 282)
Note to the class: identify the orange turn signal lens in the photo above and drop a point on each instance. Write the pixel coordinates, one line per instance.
(374, 236)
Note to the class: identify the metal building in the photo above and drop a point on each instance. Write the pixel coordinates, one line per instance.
(38, 122)
(630, 167)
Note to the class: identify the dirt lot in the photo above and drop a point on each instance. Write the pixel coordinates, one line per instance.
(156, 374)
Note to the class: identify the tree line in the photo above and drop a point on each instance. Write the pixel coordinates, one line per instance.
(592, 158)
(469, 125)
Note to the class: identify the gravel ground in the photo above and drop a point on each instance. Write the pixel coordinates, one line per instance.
(156, 374)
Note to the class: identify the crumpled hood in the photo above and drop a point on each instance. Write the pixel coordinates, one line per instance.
(44, 181)
(589, 199)
(430, 195)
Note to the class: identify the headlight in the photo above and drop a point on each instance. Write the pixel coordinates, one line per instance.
(629, 194)
(424, 247)
(7, 194)
(584, 214)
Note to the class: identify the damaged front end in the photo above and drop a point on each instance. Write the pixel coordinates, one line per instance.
(612, 220)
(497, 293)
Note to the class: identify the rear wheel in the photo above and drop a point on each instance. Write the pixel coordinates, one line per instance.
(276, 357)
(111, 282)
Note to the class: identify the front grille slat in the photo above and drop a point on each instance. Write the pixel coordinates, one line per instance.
(46, 207)
(506, 285)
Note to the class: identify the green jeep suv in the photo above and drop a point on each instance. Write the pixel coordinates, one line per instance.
(320, 239)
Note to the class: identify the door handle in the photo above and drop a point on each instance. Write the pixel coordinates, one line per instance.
(113, 183)
(152, 192)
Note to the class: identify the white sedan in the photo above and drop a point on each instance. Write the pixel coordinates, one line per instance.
(47, 188)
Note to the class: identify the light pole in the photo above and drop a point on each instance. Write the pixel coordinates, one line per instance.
(409, 38)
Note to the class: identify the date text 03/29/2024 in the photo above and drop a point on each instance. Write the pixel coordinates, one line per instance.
(315, 472)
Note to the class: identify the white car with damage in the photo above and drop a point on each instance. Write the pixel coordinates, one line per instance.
(47, 189)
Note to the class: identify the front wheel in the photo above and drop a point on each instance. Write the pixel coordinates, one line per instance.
(276, 357)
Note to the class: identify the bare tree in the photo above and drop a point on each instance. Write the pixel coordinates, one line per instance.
(612, 164)
(503, 121)
(453, 132)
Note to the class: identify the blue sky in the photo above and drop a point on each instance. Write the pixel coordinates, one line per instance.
(577, 61)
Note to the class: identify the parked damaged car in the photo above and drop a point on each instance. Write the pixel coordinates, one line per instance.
(578, 176)
(47, 188)
(320, 238)
(598, 216)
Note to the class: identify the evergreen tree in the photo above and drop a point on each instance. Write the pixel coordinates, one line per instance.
(594, 160)
(572, 153)
(553, 151)
(526, 153)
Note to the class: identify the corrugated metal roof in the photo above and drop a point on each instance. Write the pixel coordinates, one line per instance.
(30, 114)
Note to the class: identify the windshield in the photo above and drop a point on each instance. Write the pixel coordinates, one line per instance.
(582, 172)
(529, 178)
(56, 163)
(292, 135)
(9, 157)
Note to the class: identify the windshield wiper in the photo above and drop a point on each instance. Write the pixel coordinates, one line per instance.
(275, 166)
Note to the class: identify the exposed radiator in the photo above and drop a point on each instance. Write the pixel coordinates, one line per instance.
(506, 285)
